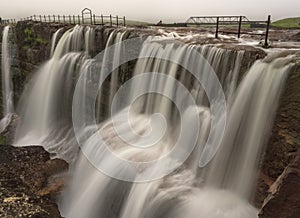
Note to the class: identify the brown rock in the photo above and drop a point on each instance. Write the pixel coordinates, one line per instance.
(24, 173)
(284, 198)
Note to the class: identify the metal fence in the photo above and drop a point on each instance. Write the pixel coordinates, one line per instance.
(86, 17)
(79, 19)
(232, 21)
(8, 21)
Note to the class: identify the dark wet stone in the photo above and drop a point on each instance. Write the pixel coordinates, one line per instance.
(24, 173)
(283, 200)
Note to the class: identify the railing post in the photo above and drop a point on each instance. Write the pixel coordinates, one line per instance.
(41, 18)
(58, 16)
(82, 17)
(110, 18)
(64, 18)
(217, 28)
(45, 20)
(94, 16)
(117, 19)
(240, 26)
(267, 31)
(70, 19)
(34, 17)
(102, 22)
(124, 21)
(53, 18)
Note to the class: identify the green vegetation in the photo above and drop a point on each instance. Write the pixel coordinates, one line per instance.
(28, 35)
(2, 139)
(40, 40)
(30, 39)
(287, 23)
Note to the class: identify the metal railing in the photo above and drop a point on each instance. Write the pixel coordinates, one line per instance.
(8, 21)
(209, 20)
(238, 21)
(86, 17)
(78, 19)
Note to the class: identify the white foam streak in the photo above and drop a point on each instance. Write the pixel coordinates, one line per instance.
(7, 86)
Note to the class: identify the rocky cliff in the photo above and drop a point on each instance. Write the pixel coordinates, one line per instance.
(31, 42)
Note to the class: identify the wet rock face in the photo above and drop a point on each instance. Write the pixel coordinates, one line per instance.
(284, 198)
(27, 186)
(285, 138)
(32, 42)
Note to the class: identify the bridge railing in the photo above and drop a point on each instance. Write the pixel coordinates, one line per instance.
(79, 19)
(8, 21)
(238, 21)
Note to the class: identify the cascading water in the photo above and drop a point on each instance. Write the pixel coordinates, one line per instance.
(220, 189)
(54, 41)
(7, 86)
(249, 120)
(45, 106)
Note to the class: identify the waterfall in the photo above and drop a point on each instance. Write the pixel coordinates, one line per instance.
(249, 121)
(46, 103)
(54, 41)
(176, 102)
(221, 188)
(7, 86)
(115, 37)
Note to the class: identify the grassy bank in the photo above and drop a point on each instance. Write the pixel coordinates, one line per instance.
(293, 22)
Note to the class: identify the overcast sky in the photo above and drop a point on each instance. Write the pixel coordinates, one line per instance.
(154, 10)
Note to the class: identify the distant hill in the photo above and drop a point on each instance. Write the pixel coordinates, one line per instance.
(136, 23)
(293, 22)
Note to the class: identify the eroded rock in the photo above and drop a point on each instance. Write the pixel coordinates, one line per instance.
(284, 197)
(24, 173)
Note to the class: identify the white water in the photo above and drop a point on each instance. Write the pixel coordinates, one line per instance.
(54, 41)
(249, 121)
(221, 189)
(46, 104)
(115, 37)
(224, 188)
(7, 86)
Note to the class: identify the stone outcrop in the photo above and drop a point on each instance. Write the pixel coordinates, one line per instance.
(32, 41)
(29, 182)
(284, 138)
(284, 198)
